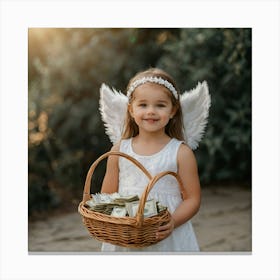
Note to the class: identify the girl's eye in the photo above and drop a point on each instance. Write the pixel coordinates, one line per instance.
(142, 105)
(161, 105)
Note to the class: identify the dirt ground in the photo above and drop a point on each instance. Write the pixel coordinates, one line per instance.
(223, 224)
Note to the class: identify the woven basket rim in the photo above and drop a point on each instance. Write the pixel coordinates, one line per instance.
(90, 214)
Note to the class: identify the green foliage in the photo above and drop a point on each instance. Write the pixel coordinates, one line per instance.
(222, 57)
(41, 197)
(67, 67)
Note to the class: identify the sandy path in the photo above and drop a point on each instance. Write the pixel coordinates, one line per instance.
(223, 224)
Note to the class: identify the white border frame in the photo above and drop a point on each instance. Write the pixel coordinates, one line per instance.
(18, 16)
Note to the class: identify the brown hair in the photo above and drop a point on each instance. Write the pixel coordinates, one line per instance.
(174, 128)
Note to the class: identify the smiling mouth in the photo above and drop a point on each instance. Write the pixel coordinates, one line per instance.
(151, 120)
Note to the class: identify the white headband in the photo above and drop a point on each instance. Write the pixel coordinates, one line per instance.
(156, 80)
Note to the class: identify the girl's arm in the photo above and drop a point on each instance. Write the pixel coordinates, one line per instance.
(187, 170)
(111, 179)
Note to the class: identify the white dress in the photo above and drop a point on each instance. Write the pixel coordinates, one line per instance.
(133, 181)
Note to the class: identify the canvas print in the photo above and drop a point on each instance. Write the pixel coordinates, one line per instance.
(115, 114)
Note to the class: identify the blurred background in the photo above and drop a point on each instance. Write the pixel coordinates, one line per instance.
(66, 67)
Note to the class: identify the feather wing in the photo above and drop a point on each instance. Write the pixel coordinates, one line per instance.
(195, 106)
(113, 107)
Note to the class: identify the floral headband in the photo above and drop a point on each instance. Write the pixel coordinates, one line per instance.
(156, 80)
(194, 103)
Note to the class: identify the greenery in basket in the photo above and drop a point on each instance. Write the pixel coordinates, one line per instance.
(121, 206)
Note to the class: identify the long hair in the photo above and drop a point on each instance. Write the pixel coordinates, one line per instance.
(174, 128)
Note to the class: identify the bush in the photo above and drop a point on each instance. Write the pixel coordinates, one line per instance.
(222, 57)
(67, 68)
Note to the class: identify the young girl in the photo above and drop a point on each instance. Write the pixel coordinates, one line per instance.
(153, 134)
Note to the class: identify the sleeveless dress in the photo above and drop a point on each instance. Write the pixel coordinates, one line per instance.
(133, 181)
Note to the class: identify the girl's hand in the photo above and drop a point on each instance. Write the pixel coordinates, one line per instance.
(165, 230)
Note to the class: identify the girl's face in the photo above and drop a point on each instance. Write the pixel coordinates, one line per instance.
(151, 107)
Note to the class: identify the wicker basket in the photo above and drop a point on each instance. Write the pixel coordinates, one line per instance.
(125, 231)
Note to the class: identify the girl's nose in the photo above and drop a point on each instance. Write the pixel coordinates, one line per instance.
(150, 110)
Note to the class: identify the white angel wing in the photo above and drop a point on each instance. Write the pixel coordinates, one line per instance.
(195, 106)
(113, 107)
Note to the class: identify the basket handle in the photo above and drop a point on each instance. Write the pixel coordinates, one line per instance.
(140, 211)
(86, 194)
